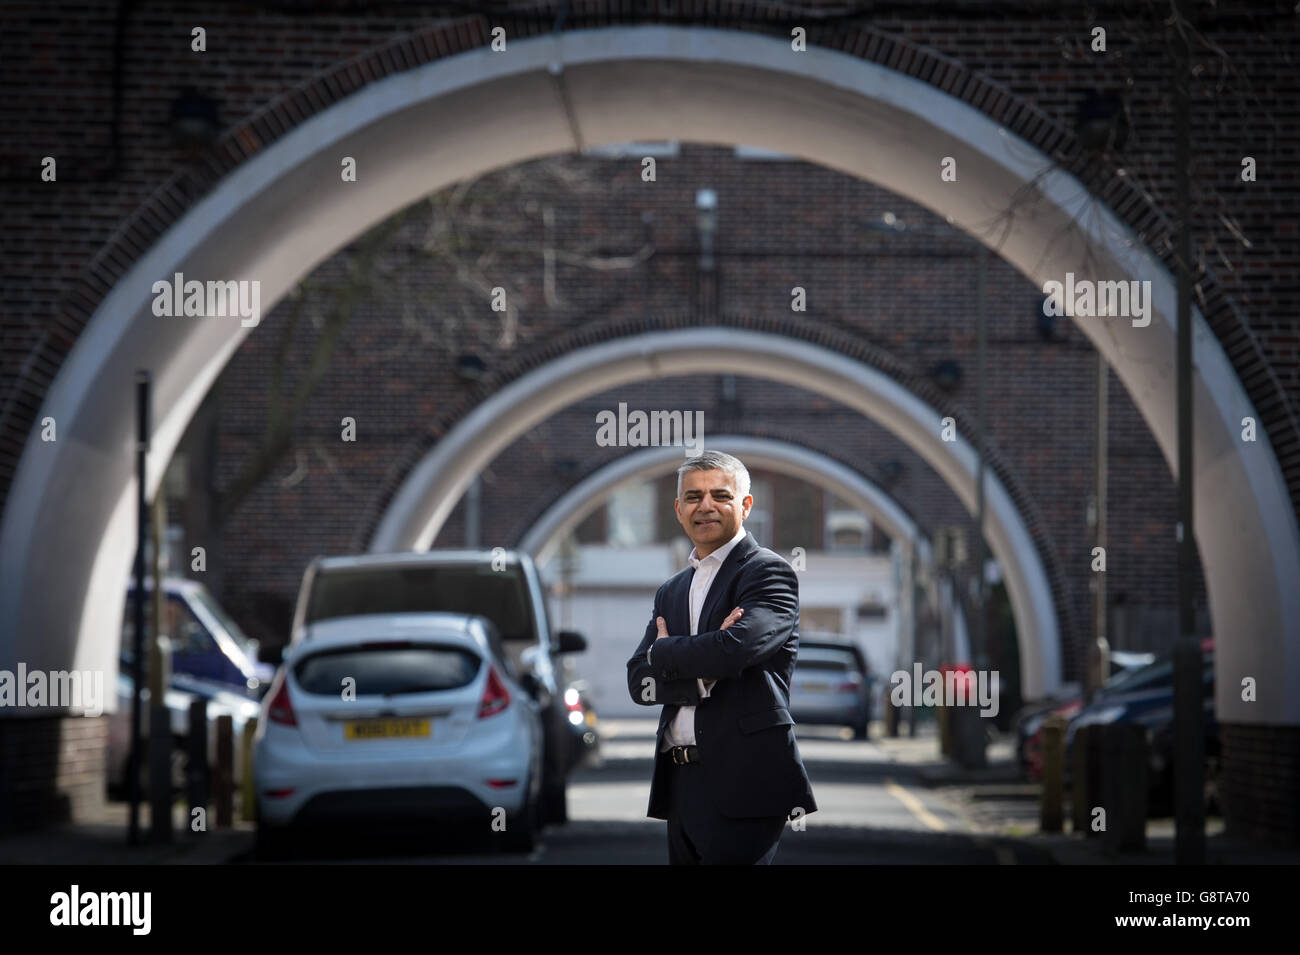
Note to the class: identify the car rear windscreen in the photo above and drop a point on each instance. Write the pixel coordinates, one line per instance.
(387, 670)
(499, 595)
(826, 661)
(1158, 674)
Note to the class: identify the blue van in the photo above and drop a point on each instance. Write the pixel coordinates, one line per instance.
(207, 645)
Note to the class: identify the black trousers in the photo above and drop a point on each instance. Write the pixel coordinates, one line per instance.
(700, 835)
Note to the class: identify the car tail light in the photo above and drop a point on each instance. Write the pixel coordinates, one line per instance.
(281, 708)
(849, 686)
(495, 696)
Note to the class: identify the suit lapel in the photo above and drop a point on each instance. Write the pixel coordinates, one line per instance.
(678, 616)
(680, 610)
(711, 610)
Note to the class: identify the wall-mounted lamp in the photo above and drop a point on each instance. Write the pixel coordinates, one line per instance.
(194, 120)
(947, 375)
(890, 471)
(1045, 323)
(470, 367)
(1101, 125)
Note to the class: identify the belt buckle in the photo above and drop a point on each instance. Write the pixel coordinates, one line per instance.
(679, 755)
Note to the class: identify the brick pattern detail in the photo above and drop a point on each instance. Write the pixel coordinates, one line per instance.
(1260, 780)
(53, 770)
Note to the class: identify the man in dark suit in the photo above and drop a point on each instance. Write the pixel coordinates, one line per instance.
(718, 654)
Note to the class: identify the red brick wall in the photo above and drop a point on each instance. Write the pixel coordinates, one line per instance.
(1261, 776)
(53, 770)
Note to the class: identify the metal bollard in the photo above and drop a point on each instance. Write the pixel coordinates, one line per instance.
(1124, 785)
(223, 778)
(1085, 780)
(198, 778)
(247, 797)
(942, 715)
(891, 717)
(160, 772)
(970, 743)
(1079, 802)
(1051, 817)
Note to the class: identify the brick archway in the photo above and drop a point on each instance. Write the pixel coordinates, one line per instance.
(784, 457)
(477, 111)
(822, 362)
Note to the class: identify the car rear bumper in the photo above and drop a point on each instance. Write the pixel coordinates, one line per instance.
(433, 789)
(394, 806)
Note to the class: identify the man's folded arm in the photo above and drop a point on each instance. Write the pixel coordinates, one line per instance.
(770, 599)
(645, 687)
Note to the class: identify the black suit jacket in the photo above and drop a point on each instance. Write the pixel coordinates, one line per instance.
(748, 755)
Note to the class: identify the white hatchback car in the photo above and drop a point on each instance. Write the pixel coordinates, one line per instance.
(399, 718)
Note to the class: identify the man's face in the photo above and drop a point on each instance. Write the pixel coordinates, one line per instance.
(709, 510)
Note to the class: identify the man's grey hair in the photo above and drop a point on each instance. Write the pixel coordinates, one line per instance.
(717, 461)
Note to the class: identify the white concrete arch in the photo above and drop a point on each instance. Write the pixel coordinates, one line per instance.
(438, 480)
(782, 457)
(66, 541)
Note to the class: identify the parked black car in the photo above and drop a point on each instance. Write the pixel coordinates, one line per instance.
(1029, 719)
(1146, 697)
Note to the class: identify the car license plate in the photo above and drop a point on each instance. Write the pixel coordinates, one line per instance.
(816, 687)
(385, 729)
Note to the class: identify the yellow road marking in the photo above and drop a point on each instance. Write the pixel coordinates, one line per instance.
(915, 806)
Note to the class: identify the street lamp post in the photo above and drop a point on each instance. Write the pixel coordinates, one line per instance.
(1189, 730)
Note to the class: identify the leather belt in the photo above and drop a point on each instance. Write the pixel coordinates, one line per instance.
(681, 755)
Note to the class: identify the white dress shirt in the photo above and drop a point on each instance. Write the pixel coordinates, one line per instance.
(681, 731)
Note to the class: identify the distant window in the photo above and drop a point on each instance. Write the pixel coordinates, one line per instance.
(872, 611)
(660, 150)
(759, 522)
(848, 530)
(630, 515)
